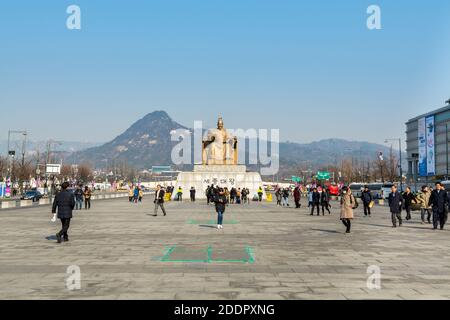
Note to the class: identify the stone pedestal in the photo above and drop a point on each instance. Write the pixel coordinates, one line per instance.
(222, 175)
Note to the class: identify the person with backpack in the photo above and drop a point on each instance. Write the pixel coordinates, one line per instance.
(136, 194)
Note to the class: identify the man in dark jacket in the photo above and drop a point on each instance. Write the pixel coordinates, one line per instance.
(366, 197)
(395, 204)
(159, 200)
(315, 202)
(439, 200)
(408, 198)
(221, 201)
(65, 203)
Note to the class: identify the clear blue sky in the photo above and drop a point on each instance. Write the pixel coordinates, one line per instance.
(310, 68)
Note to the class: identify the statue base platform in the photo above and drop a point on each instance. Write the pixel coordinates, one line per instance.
(219, 175)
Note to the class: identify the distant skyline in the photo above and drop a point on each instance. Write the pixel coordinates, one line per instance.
(310, 68)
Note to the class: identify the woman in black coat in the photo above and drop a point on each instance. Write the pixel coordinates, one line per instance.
(65, 203)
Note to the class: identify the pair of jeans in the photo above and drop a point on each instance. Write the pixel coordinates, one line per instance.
(285, 202)
(408, 212)
(422, 214)
(395, 217)
(78, 204)
(65, 224)
(87, 203)
(348, 224)
(439, 218)
(297, 204)
(159, 205)
(219, 218)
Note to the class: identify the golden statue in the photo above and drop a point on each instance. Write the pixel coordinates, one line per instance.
(220, 147)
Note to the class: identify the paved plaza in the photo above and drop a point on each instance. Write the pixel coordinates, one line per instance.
(264, 252)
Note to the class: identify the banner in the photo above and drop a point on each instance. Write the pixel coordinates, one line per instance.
(422, 148)
(431, 160)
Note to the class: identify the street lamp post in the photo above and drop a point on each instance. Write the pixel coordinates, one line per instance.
(400, 159)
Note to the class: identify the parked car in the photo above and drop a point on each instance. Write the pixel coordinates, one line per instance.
(356, 189)
(376, 189)
(32, 195)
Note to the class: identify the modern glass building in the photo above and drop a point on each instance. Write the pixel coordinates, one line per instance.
(427, 146)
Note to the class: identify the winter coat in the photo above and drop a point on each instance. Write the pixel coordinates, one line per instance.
(366, 197)
(424, 199)
(324, 197)
(64, 202)
(439, 200)
(347, 203)
(297, 194)
(78, 195)
(395, 202)
(159, 196)
(408, 199)
(316, 197)
(220, 200)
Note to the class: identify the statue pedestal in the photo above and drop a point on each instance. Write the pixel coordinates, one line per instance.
(222, 175)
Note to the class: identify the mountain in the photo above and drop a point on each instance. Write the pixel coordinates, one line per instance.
(147, 142)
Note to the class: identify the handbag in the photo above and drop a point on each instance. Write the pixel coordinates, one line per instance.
(356, 204)
(371, 204)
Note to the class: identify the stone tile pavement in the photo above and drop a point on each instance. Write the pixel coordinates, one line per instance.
(118, 247)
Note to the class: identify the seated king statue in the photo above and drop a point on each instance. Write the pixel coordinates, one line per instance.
(220, 147)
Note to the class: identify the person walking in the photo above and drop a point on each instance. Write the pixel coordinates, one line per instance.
(395, 205)
(192, 194)
(278, 195)
(233, 195)
(366, 198)
(87, 198)
(408, 198)
(425, 208)
(238, 196)
(130, 194)
(141, 194)
(260, 194)
(325, 201)
(348, 202)
(315, 202)
(286, 197)
(220, 201)
(159, 200)
(310, 198)
(439, 200)
(297, 197)
(78, 198)
(64, 203)
(136, 194)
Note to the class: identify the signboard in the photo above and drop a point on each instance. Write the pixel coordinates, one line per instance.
(53, 169)
(431, 159)
(422, 148)
(2, 189)
(296, 179)
(323, 175)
